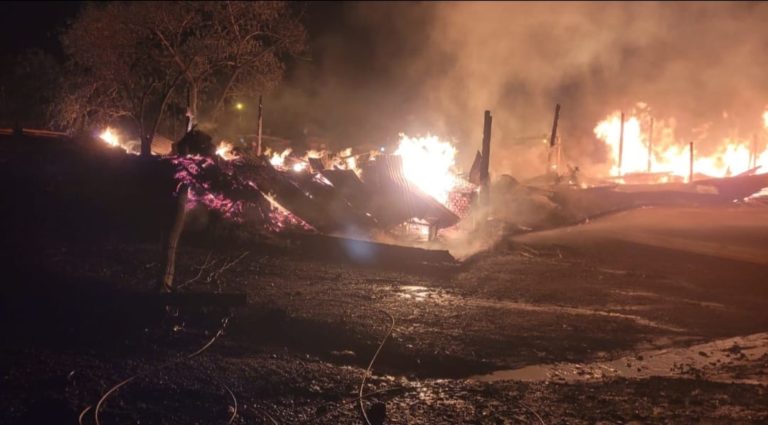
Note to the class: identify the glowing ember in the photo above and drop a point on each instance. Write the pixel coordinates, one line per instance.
(282, 219)
(224, 150)
(732, 156)
(110, 137)
(188, 170)
(299, 166)
(428, 163)
(198, 173)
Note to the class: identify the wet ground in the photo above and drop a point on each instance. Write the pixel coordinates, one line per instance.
(649, 316)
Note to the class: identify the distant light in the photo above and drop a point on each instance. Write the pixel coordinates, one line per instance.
(381, 149)
(239, 106)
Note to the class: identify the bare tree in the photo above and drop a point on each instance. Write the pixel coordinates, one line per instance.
(227, 49)
(127, 59)
(116, 70)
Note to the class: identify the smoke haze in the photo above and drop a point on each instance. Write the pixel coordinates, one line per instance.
(383, 68)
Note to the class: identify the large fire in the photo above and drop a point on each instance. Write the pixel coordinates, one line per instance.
(110, 137)
(429, 164)
(730, 157)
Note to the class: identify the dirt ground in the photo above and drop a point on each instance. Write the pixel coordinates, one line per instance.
(565, 304)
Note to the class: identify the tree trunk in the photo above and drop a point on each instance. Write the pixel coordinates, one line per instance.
(191, 106)
(172, 240)
(146, 144)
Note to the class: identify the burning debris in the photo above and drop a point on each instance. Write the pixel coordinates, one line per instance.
(640, 144)
(428, 163)
(111, 137)
(227, 151)
(333, 193)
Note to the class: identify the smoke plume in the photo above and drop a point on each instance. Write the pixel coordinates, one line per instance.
(385, 68)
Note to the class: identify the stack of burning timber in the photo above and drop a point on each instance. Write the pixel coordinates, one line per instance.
(316, 194)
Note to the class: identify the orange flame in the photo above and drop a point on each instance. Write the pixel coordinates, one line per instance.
(429, 164)
(110, 137)
(277, 159)
(732, 156)
(225, 150)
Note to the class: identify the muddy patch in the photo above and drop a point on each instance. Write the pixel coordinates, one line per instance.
(425, 294)
(741, 360)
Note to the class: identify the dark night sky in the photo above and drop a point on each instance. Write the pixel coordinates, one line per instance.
(33, 24)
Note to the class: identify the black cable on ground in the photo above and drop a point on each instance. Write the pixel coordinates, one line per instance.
(360, 395)
(370, 365)
(108, 393)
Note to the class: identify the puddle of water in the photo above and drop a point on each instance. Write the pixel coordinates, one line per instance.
(417, 293)
(713, 360)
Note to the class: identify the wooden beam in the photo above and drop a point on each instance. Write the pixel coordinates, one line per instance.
(485, 175)
(553, 137)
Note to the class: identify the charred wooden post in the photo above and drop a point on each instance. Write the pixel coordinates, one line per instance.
(172, 240)
(553, 136)
(258, 140)
(485, 176)
(650, 146)
(553, 139)
(690, 167)
(621, 142)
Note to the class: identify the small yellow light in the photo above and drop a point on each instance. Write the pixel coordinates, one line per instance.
(239, 106)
